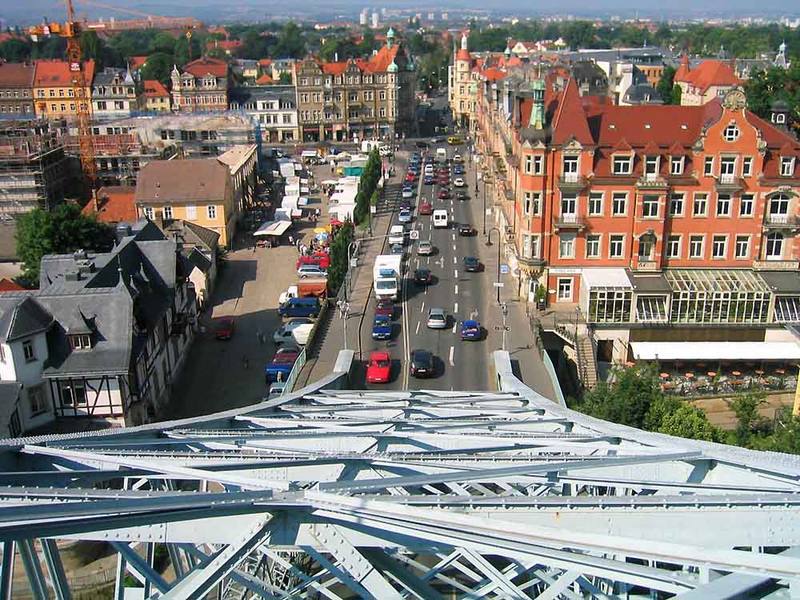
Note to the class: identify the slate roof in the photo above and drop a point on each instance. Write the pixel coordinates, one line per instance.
(107, 76)
(22, 316)
(188, 180)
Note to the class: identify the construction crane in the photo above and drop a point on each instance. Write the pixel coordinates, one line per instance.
(71, 30)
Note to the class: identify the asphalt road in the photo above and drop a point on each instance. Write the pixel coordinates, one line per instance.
(459, 365)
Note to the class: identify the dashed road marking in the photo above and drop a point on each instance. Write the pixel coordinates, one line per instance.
(417, 330)
(455, 260)
(454, 248)
(454, 327)
(455, 273)
(422, 307)
(455, 308)
(452, 353)
(456, 290)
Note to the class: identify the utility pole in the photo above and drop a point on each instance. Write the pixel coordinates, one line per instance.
(344, 311)
(504, 310)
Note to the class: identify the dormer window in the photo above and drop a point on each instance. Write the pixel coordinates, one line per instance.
(651, 166)
(623, 165)
(81, 341)
(731, 133)
(676, 165)
(787, 166)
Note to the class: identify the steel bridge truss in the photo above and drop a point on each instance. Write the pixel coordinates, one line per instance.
(353, 494)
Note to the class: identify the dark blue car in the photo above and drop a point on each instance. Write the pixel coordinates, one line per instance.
(381, 328)
(470, 330)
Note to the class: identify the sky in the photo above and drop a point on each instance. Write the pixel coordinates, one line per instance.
(34, 10)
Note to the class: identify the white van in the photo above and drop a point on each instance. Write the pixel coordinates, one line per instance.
(397, 234)
(441, 154)
(440, 218)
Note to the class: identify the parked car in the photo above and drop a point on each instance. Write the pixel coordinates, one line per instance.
(437, 319)
(379, 367)
(321, 259)
(300, 307)
(471, 330)
(472, 264)
(429, 180)
(425, 208)
(404, 216)
(223, 328)
(407, 192)
(381, 328)
(294, 332)
(444, 194)
(458, 169)
(280, 366)
(421, 364)
(459, 182)
(467, 230)
(306, 271)
(425, 248)
(384, 308)
(422, 276)
(462, 196)
(396, 249)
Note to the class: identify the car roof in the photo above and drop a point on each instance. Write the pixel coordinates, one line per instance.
(470, 258)
(379, 354)
(470, 323)
(420, 353)
(437, 311)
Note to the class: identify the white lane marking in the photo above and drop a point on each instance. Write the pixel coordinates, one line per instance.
(454, 248)
(417, 330)
(452, 352)
(454, 327)
(422, 307)
(455, 308)
(454, 237)
(455, 260)
(455, 272)
(456, 290)
(429, 260)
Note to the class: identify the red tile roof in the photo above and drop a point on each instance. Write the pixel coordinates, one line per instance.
(463, 54)
(494, 74)
(16, 75)
(334, 68)
(207, 66)
(570, 119)
(56, 73)
(115, 204)
(264, 80)
(137, 62)
(708, 73)
(265, 62)
(7, 285)
(153, 88)
(377, 63)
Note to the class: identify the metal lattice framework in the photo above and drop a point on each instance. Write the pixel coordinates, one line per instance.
(354, 494)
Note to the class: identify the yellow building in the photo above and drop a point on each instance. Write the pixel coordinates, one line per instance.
(156, 96)
(462, 90)
(53, 92)
(198, 190)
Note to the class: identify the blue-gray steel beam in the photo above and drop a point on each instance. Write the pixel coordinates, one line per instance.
(7, 569)
(353, 562)
(149, 557)
(119, 578)
(141, 566)
(33, 569)
(55, 568)
(402, 575)
(205, 576)
(252, 584)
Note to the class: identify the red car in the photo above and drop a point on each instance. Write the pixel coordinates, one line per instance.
(425, 208)
(379, 367)
(321, 259)
(444, 194)
(410, 177)
(384, 308)
(223, 328)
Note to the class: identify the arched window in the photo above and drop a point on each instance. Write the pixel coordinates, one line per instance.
(774, 246)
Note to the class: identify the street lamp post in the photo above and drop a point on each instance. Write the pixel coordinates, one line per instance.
(347, 276)
(499, 243)
(344, 311)
(504, 310)
(484, 205)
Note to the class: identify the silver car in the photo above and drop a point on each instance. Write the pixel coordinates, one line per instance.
(437, 318)
(404, 216)
(311, 271)
(424, 248)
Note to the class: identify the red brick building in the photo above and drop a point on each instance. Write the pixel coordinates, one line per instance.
(643, 216)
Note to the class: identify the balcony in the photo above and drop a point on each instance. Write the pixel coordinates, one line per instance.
(776, 265)
(571, 182)
(570, 221)
(651, 181)
(530, 262)
(780, 221)
(729, 183)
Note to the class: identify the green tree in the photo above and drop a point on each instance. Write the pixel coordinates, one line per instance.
(748, 421)
(665, 84)
(158, 66)
(785, 436)
(64, 230)
(290, 42)
(162, 42)
(15, 50)
(338, 267)
(688, 422)
(367, 44)
(677, 93)
(628, 399)
(286, 78)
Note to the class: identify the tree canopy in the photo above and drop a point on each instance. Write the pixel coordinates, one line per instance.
(61, 231)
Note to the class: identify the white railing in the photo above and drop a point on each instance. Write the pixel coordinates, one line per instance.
(779, 218)
(727, 178)
(570, 178)
(568, 218)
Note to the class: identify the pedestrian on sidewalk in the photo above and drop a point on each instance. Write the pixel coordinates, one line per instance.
(291, 241)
